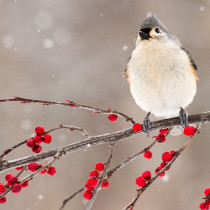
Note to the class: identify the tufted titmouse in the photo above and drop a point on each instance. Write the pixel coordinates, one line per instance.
(161, 73)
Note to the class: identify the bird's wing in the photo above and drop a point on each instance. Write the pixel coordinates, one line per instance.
(191, 59)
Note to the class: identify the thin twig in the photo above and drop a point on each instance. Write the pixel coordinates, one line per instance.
(98, 187)
(129, 160)
(71, 197)
(44, 166)
(10, 187)
(69, 104)
(182, 149)
(60, 126)
(110, 172)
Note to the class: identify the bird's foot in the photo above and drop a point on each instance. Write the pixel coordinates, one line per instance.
(147, 124)
(183, 116)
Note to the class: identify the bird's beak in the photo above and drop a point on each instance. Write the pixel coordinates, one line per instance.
(143, 35)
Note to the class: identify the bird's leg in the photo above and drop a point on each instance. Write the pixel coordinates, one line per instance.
(147, 124)
(183, 116)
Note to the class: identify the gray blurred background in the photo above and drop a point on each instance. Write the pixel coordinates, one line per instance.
(78, 50)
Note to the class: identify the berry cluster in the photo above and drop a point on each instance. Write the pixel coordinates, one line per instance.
(93, 181)
(14, 183)
(146, 175)
(205, 205)
(161, 137)
(141, 180)
(166, 157)
(40, 137)
(35, 166)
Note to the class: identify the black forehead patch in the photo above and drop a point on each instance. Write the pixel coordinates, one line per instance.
(152, 22)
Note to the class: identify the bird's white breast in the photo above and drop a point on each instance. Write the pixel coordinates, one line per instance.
(161, 78)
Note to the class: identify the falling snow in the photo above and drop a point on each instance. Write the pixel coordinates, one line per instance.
(202, 8)
(125, 47)
(48, 43)
(40, 197)
(165, 178)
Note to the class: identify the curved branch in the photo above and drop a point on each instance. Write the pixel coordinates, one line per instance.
(103, 139)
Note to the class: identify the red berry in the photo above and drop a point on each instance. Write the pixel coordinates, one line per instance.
(105, 184)
(11, 179)
(207, 191)
(148, 154)
(39, 130)
(157, 171)
(51, 171)
(160, 138)
(37, 139)
(2, 188)
(92, 182)
(140, 181)
(47, 139)
(88, 187)
(189, 130)
(24, 184)
(146, 175)
(19, 168)
(137, 127)
(99, 166)
(37, 149)
(3, 200)
(163, 131)
(8, 176)
(31, 143)
(166, 157)
(33, 166)
(112, 117)
(43, 172)
(16, 188)
(87, 195)
(204, 206)
(94, 174)
(162, 165)
(172, 153)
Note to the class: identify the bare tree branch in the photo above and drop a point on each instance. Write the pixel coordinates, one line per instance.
(60, 126)
(96, 191)
(69, 104)
(102, 139)
(167, 166)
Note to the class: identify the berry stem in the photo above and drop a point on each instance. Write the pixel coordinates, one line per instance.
(111, 150)
(167, 166)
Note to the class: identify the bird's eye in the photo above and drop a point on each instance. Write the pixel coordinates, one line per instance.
(157, 30)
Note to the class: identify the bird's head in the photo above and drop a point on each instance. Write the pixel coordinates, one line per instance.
(153, 29)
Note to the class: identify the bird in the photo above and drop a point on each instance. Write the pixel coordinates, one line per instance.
(161, 73)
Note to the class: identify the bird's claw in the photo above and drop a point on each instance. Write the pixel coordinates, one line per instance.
(147, 124)
(183, 116)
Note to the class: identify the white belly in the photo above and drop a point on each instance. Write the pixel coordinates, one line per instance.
(161, 81)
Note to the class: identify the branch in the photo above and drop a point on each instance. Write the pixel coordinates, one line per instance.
(60, 126)
(111, 149)
(103, 139)
(182, 149)
(110, 172)
(69, 104)
(71, 197)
